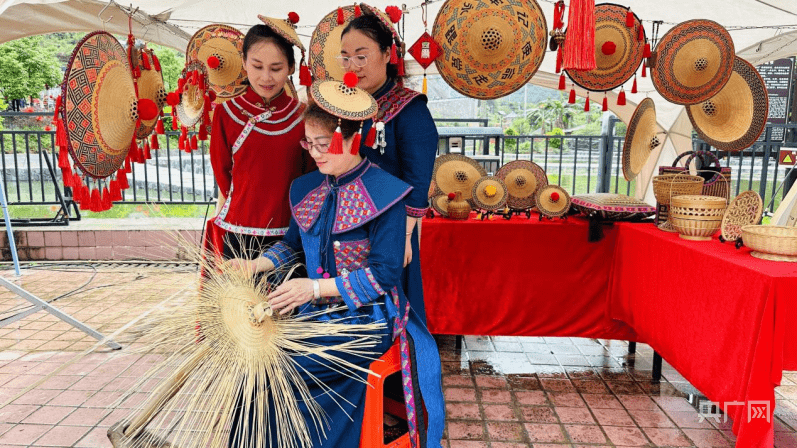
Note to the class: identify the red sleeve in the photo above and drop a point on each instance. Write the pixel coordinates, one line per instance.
(221, 152)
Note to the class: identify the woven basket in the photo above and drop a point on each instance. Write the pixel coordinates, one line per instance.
(668, 186)
(695, 217)
(776, 243)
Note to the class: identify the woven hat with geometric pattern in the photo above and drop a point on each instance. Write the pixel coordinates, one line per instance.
(455, 172)
(150, 85)
(347, 102)
(641, 139)
(489, 193)
(522, 179)
(325, 43)
(287, 29)
(553, 201)
(220, 48)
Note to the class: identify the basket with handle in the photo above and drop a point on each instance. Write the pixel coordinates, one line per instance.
(668, 186)
(717, 178)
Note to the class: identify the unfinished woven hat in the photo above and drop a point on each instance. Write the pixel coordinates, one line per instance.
(618, 50)
(693, 61)
(553, 201)
(455, 172)
(733, 119)
(220, 48)
(641, 139)
(489, 193)
(522, 179)
(150, 86)
(192, 101)
(343, 101)
(100, 108)
(440, 204)
(325, 44)
(489, 48)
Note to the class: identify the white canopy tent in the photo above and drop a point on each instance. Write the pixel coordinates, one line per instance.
(762, 30)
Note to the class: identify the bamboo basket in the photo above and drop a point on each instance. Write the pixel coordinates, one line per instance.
(775, 243)
(668, 186)
(696, 217)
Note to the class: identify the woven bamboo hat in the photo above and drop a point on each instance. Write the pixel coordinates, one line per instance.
(192, 101)
(692, 62)
(553, 201)
(220, 49)
(489, 193)
(150, 86)
(733, 119)
(383, 17)
(455, 172)
(343, 101)
(618, 52)
(440, 204)
(522, 179)
(325, 45)
(641, 139)
(100, 108)
(489, 50)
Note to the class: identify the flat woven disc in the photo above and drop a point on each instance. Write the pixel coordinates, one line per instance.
(489, 193)
(325, 45)
(455, 172)
(694, 60)
(522, 179)
(733, 119)
(640, 139)
(549, 204)
(440, 204)
(618, 52)
(490, 47)
(745, 209)
(342, 101)
(192, 101)
(100, 108)
(225, 43)
(150, 86)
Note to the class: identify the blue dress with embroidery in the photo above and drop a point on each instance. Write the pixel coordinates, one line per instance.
(352, 227)
(410, 149)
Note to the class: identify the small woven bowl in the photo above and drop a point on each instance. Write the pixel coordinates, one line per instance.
(695, 217)
(775, 243)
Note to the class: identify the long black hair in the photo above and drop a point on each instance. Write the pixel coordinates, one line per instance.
(376, 30)
(262, 33)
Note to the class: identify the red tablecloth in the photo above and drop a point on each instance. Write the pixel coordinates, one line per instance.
(725, 320)
(517, 277)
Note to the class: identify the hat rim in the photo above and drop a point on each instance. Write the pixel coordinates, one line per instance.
(550, 212)
(233, 89)
(457, 158)
(338, 111)
(645, 106)
(318, 50)
(480, 202)
(284, 29)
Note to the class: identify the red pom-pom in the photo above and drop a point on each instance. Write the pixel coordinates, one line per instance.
(350, 79)
(340, 20)
(554, 197)
(147, 109)
(451, 196)
(293, 17)
(211, 96)
(48, 128)
(608, 48)
(394, 12)
(173, 99)
(213, 62)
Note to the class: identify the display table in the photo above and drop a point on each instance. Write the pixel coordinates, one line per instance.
(725, 320)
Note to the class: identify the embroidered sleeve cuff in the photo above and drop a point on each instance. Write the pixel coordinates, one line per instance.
(280, 254)
(358, 287)
(414, 212)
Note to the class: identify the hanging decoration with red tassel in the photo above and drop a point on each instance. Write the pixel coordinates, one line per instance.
(336, 146)
(621, 97)
(562, 81)
(370, 138)
(355, 143)
(579, 45)
(425, 50)
(633, 86)
(357, 11)
(586, 103)
(629, 18)
(572, 98)
(340, 18)
(644, 68)
(605, 106)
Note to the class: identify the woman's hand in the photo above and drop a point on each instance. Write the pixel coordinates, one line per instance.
(291, 294)
(247, 267)
(408, 250)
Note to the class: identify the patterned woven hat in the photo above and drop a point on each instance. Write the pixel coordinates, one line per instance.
(489, 193)
(640, 139)
(150, 86)
(192, 101)
(522, 179)
(618, 51)
(325, 44)
(285, 28)
(692, 62)
(733, 119)
(100, 108)
(489, 51)
(220, 48)
(455, 172)
(342, 101)
(553, 201)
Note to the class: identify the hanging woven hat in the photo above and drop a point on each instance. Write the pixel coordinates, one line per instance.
(489, 193)
(455, 172)
(641, 138)
(490, 49)
(220, 48)
(618, 50)
(325, 44)
(150, 86)
(440, 204)
(733, 119)
(100, 109)
(553, 201)
(692, 62)
(522, 179)
(192, 101)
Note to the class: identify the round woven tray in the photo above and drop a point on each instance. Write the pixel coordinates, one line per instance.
(744, 210)
(775, 243)
(696, 217)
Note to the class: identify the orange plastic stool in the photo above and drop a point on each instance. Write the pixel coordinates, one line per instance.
(376, 404)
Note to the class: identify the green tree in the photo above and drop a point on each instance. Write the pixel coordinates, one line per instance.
(552, 113)
(3, 107)
(172, 63)
(26, 66)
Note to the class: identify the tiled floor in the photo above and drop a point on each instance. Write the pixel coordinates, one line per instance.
(501, 392)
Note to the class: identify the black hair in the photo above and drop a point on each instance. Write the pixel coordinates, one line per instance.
(376, 30)
(262, 33)
(317, 115)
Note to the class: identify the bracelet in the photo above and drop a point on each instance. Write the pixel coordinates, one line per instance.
(408, 233)
(316, 290)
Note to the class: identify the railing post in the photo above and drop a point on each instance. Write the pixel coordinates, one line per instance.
(762, 184)
(605, 150)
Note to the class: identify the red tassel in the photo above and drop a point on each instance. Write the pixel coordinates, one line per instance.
(184, 133)
(201, 82)
(66, 174)
(357, 11)
(579, 51)
(341, 20)
(145, 154)
(562, 81)
(646, 51)
(370, 139)
(644, 68)
(106, 199)
(586, 103)
(194, 142)
(203, 132)
(558, 15)
(116, 192)
(57, 108)
(181, 143)
(336, 146)
(305, 78)
(621, 97)
(94, 203)
(572, 99)
(156, 62)
(356, 141)
(393, 54)
(128, 168)
(641, 35)
(180, 85)
(159, 127)
(121, 176)
(174, 118)
(133, 153)
(63, 158)
(401, 67)
(633, 86)
(559, 59)
(145, 61)
(61, 138)
(84, 198)
(629, 19)
(605, 103)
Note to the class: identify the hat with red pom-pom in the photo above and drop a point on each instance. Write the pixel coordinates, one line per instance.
(552, 201)
(287, 29)
(220, 49)
(347, 102)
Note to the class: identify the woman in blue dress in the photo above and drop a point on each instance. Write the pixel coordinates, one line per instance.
(347, 223)
(403, 141)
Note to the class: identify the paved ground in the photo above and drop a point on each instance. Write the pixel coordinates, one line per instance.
(501, 392)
